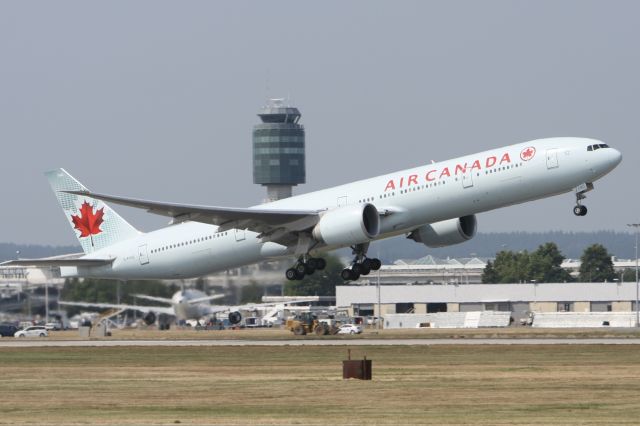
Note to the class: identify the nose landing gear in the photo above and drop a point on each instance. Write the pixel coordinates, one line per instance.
(579, 209)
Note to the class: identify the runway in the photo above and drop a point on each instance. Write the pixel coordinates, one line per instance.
(40, 343)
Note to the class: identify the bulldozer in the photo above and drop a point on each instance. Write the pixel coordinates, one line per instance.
(306, 323)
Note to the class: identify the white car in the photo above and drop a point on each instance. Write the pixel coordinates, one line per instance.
(55, 326)
(33, 331)
(350, 329)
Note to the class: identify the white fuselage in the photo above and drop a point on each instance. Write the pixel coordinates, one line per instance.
(184, 309)
(413, 197)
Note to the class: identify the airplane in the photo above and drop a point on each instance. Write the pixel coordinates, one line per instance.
(183, 305)
(434, 204)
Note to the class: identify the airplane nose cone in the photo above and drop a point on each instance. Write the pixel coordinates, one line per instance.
(616, 157)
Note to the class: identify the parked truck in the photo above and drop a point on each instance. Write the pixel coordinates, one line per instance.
(307, 322)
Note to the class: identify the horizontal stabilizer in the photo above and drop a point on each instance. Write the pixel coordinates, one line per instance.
(40, 263)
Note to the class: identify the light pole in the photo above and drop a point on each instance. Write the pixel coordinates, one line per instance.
(636, 226)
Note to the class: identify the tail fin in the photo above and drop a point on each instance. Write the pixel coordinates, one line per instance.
(96, 225)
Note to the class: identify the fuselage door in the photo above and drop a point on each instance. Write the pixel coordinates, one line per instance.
(342, 201)
(143, 255)
(240, 234)
(467, 178)
(552, 159)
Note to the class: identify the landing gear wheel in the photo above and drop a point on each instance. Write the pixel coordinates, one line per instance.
(299, 275)
(291, 274)
(367, 263)
(356, 268)
(320, 263)
(376, 264)
(346, 274)
(308, 270)
(580, 210)
(365, 269)
(301, 268)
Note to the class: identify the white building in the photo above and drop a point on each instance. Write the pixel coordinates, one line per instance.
(519, 299)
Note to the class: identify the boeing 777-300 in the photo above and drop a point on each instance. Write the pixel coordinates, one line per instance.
(435, 205)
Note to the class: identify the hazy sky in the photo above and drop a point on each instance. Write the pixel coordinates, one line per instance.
(157, 99)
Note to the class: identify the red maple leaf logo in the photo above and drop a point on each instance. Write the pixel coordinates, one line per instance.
(88, 222)
(527, 153)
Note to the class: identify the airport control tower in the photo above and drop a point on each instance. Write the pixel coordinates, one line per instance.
(278, 149)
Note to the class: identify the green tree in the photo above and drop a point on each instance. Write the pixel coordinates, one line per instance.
(489, 274)
(544, 265)
(321, 283)
(596, 265)
(629, 275)
(251, 293)
(512, 267)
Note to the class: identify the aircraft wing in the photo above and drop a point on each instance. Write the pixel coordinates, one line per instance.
(252, 306)
(263, 221)
(143, 309)
(154, 298)
(205, 299)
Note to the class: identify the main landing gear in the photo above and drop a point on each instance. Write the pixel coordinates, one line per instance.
(361, 265)
(305, 266)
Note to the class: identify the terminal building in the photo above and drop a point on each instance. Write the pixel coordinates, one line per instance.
(448, 293)
(460, 305)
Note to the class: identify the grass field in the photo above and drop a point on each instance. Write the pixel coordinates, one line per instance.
(562, 384)
(433, 333)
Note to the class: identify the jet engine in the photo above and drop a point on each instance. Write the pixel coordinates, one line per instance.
(446, 233)
(235, 317)
(348, 225)
(149, 318)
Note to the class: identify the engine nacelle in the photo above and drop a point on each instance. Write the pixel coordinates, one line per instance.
(446, 233)
(235, 317)
(149, 318)
(347, 225)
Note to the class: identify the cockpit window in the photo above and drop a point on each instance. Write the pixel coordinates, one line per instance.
(597, 146)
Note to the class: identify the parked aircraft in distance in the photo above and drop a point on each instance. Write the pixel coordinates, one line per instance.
(433, 204)
(183, 305)
(186, 304)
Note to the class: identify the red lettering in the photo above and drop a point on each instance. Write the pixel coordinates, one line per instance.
(429, 177)
(491, 161)
(476, 165)
(445, 172)
(413, 180)
(390, 185)
(461, 169)
(401, 181)
(505, 158)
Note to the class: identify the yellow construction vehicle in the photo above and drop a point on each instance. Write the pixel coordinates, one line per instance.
(306, 323)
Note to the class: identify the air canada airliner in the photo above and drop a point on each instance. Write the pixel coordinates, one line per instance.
(435, 204)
